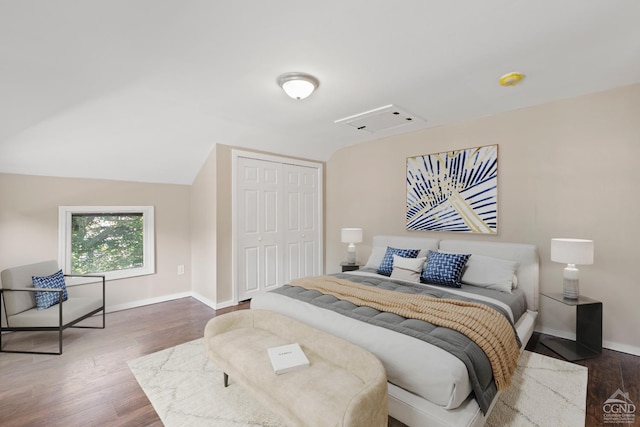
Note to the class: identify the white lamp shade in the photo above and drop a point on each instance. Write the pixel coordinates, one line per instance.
(298, 89)
(351, 235)
(298, 85)
(572, 251)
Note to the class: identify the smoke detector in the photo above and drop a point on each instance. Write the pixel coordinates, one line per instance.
(511, 79)
(380, 119)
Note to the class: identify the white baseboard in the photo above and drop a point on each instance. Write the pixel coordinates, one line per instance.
(206, 301)
(226, 304)
(148, 301)
(624, 348)
(140, 303)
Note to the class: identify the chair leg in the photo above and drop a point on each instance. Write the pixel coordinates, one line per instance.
(59, 330)
(59, 352)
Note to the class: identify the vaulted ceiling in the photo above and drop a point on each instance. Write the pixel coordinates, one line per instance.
(142, 90)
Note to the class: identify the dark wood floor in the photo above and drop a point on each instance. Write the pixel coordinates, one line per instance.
(610, 371)
(91, 384)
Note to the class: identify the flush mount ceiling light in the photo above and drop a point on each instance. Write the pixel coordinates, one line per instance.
(298, 85)
(511, 79)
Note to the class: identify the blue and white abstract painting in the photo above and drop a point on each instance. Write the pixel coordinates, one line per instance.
(454, 191)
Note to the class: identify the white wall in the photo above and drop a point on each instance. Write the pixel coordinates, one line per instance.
(212, 224)
(29, 229)
(203, 232)
(567, 169)
(211, 220)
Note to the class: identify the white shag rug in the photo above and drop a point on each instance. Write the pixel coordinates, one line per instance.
(186, 389)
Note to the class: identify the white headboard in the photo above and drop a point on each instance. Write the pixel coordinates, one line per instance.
(525, 254)
(404, 242)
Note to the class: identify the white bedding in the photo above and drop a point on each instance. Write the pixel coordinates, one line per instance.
(411, 364)
(440, 379)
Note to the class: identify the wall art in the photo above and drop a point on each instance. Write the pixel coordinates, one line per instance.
(454, 191)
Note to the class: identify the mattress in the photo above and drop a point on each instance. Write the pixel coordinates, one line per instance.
(411, 364)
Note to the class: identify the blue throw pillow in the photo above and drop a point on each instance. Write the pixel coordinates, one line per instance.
(444, 269)
(47, 299)
(386, 266)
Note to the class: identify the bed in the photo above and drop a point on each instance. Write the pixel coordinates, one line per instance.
(428, 385)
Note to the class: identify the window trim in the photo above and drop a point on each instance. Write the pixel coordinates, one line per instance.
(148, 221)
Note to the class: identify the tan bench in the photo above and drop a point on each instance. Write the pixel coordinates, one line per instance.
(344, 385)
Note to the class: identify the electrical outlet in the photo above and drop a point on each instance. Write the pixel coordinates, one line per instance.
(180, 270)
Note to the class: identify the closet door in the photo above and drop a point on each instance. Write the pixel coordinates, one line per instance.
(259, 226)
(277, 217)
(301, 243)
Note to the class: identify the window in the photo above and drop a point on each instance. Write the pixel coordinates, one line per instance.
(117, 241)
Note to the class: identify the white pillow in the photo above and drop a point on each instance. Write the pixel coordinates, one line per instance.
(408, 269)
(377, 255)
(491, 273)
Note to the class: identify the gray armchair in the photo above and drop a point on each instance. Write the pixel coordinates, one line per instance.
(18, 311)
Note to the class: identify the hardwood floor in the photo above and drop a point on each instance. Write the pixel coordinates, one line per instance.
(91, 384)
(610, 371)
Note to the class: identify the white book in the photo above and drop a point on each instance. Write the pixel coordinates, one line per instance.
(286, 358)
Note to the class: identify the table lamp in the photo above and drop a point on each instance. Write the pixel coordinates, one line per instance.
(571, 252)
(351, 236)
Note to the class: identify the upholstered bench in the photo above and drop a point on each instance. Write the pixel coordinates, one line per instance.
(344, 385)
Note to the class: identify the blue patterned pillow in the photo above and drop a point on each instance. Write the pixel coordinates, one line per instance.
(386, 266)
(47, 299)
(444, 269)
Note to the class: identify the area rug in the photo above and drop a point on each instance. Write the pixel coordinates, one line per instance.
(544, 392)
(186, 389)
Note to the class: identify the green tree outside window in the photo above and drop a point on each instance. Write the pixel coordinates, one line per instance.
(103, 242)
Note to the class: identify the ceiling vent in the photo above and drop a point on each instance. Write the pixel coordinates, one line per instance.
(381, 119)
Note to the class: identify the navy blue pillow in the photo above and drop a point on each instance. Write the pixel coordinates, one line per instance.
(47, 299)
(444, 269)
(386, 266)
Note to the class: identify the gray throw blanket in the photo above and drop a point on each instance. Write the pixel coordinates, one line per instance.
(477, 363)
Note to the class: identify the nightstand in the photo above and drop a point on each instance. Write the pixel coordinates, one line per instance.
(349, 267)
(588, 341)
